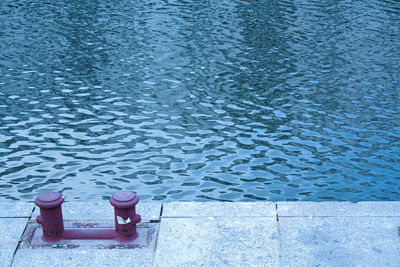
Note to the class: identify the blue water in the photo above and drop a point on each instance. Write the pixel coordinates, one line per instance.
(200, 100)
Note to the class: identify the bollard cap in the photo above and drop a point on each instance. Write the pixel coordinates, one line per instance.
(49, 200)
(124, 199)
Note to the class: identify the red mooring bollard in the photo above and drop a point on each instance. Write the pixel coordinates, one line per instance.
(50, 215)
(125, 215)
(52, 223)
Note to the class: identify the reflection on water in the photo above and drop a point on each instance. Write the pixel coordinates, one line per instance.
(200, 100)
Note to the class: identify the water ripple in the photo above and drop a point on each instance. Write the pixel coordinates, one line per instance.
(225, 100)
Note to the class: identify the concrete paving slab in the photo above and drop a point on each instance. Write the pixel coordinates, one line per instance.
(369, 208)
(6, 255)
(79, 257)
(218, 209)
(86, 211)
(221, 241)
(340, 241)
(15, 209)
(11, 230)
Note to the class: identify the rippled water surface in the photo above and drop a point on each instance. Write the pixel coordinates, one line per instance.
(200, 100)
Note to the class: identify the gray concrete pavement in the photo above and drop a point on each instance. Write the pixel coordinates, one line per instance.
(340, 241)
(13, 219)
(220, 234)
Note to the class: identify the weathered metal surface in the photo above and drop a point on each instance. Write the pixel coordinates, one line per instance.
(147, 234)
(50, 215)
(125, 216)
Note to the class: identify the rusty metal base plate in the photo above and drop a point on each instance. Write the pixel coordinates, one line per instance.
(32, 238)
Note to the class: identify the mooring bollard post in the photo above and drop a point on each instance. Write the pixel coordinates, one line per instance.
(125, 215)
(50, 215)
(52, 223)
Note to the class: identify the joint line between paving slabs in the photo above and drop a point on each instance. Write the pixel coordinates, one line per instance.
(15, 217)
(158, 233)
(21, 237)
(161, 210)
(15, 252)
(279, 236)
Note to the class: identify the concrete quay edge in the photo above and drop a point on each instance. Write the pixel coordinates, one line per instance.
(223, 234)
